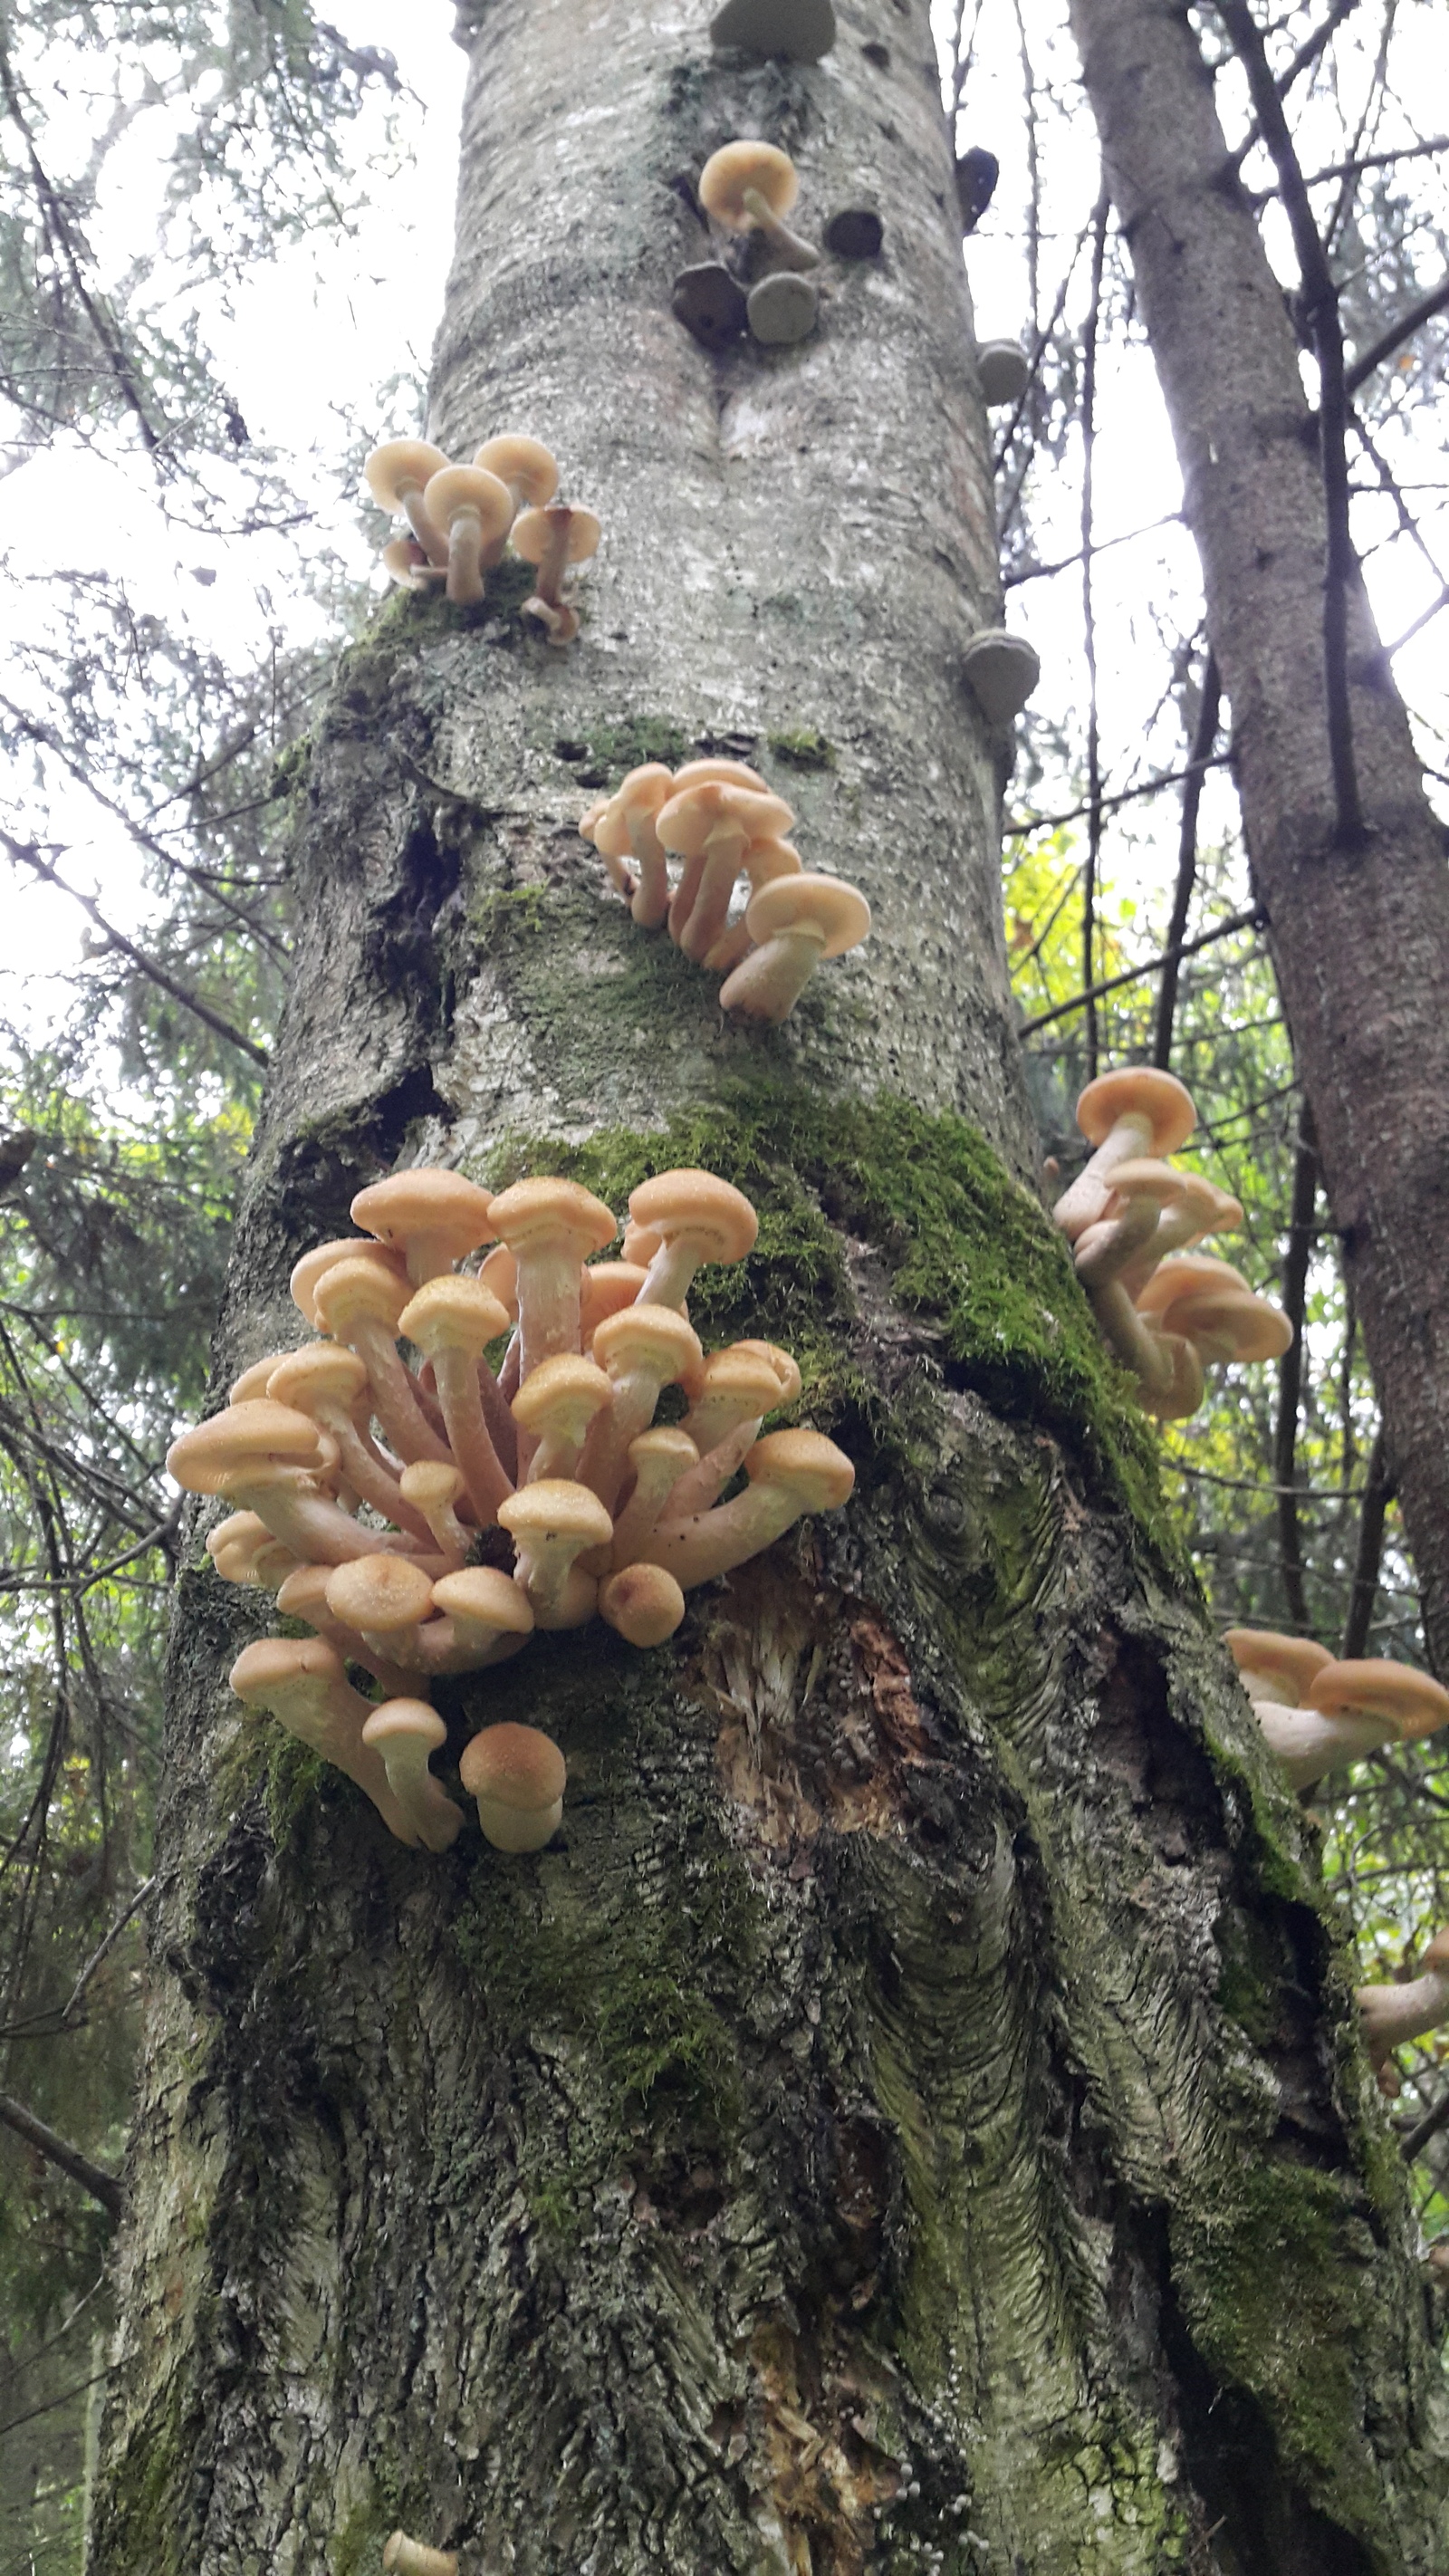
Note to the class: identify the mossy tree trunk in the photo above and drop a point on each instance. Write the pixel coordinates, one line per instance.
(912, 2116)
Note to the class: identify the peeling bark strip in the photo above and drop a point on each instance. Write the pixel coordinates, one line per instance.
(911, 2116)
(1360, 935)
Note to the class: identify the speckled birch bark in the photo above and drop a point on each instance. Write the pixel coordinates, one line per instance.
(1360, 937)
(911, 2118)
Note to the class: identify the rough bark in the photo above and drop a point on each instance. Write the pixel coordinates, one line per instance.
(912, 2116)
(1360, 935)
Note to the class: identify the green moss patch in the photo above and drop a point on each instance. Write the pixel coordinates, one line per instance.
(964, 1247)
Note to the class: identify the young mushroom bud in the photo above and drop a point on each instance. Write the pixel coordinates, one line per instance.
(1001, 671)
(477, 512)
(404, 2557)
(518, 1776)
(302, 1684)
(750, 187)
(404, 1732)
(798, 30)
(487, 1616)
(697, 1219)
(552, 539)
(643, 1603)
(797, 921)
(397, 475)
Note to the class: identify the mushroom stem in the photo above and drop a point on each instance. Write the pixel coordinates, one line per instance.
(1308, 1743)
(404, 2557)
(396, 1400)
(404, 1732)
(465, 558)
(1086, 1200)
(305, 1688)
(701, 907)
(501, 1427)
(461, 1396)
(789, 249)
(701, 1486)
(768, 983)
(430, 537)
(317, 1530)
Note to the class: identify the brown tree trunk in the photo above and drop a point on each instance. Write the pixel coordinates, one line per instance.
(911, 2117)
(1360, 935)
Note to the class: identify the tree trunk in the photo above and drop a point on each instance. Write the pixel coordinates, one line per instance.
(911, 2115)
(1360, 935)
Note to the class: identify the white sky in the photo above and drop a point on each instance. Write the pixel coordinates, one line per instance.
(308, 343)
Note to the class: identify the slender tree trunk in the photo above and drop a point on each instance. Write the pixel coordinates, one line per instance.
(1360, 934)
(911, 2116)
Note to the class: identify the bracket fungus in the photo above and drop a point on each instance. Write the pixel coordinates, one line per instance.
(710, 301)
(1169, 1313)
(799, 30)
(782, 308)
(576, 1474)
(855, 232)
(1392, 2014)
(1001, 670)
(1002, 371)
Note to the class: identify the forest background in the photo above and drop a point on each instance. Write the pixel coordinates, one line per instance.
(223, 236)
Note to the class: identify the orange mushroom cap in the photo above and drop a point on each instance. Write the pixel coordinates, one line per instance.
(1138, 1091)
(1414, 1702)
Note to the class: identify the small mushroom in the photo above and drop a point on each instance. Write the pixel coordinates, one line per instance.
(556, 1406)
(427, 1219)
(657, 1459)
(790, 1472)
(729, 1401)
(550, 1227)
(750, 187)
(799, 30)
(301, 1683)
(606, 1288)
(710, 302)
(1003, 372)
(527, 467)
(361, 1304)
(253, 1381)
(1133, 1111)
(643, 1349)
(451, 1320)
(243, 1550)
(798, 921)
(323, 1257)
(856, 232)
(404, 1732)
(325, 1381)
(388, 1601)
(782, 308)
(518, 1776)
(1002, 670)
(477, 512)
(404, 2557)
(712, 824)
(265, 1457)
(552, 539)
(433, 1486)
(643, 1603)
(697, 1218)
(397, 475)
(626, 829)
(551, 1523)
(1392, 2014)
(304, 1596)
(486, 1614)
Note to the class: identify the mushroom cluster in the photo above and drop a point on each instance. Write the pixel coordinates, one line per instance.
(462, 517)
(367, 1490)
(762, 281)
(720, 822)
(1318, 1713)
(1167, 1311)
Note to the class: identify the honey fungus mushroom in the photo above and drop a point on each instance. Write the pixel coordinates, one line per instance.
(553, 539)
(1392, 2014)
(397, 475)
(749, 187)
(798, 920)
(517, 1776)
(476, 510)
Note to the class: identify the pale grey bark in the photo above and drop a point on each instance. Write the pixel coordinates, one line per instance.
(910, 2118)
